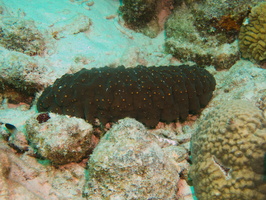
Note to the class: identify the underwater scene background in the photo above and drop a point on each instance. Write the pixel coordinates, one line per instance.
(133, 99)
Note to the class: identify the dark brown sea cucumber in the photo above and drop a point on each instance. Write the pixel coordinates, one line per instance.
(148, 94)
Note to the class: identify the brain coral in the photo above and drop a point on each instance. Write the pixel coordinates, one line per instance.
(252, 37)
(149, 94)
(228, 153)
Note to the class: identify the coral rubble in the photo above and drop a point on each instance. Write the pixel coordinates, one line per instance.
(206, 31)
(61, 139)
(24, 177)
(21, 35)
(20, 76)
(77, 24)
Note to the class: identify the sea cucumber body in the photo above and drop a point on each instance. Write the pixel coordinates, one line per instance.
(148, 94)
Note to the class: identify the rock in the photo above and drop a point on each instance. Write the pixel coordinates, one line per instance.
(79, 23)
(18, 34)
(61, 139)
(21, 76)
(128, 164)
(18, 141)
(11, 189)
(206, 32)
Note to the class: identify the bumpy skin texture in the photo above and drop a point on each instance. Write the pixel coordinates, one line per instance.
(228, 152)
(252, 37)
(148, 94)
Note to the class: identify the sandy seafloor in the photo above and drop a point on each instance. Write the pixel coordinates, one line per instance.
(108, 43)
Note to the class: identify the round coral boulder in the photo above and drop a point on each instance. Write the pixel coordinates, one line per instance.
(228, 153)
(128, 164)
(61, 139)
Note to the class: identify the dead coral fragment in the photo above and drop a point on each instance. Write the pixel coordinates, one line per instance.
(206, 32)
(252, 37)
(129, 164)
(22, 36)
(61, 139)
